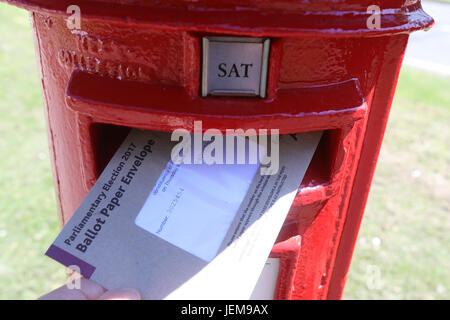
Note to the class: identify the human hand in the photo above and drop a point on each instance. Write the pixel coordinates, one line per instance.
(90, 290)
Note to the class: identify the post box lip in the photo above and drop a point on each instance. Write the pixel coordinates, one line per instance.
(258, 23)
(104, 99)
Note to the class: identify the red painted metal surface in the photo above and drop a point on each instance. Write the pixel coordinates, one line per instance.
(138, 64)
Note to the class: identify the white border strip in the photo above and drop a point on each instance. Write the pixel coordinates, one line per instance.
(430, 66)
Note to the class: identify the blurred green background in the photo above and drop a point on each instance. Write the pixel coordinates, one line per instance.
(403, 246)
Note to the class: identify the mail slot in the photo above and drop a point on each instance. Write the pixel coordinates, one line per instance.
(296, 66)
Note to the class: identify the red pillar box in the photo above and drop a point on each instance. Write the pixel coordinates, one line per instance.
(330, 65)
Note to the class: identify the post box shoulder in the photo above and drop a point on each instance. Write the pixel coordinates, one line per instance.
(271, 18)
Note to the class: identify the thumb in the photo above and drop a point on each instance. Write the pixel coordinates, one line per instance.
(123, 294)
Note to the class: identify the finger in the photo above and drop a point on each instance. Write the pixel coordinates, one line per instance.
(84, 290)
(123, 294)
(91, 289)
(64, 293)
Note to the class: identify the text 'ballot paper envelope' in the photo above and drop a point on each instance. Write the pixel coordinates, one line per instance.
(183, 231)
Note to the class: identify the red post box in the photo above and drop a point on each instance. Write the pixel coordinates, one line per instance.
(330, 65)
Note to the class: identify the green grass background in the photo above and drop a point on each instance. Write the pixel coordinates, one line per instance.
(28, 212)
(403, 246)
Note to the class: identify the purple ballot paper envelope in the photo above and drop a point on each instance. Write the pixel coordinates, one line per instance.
(197, 225)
